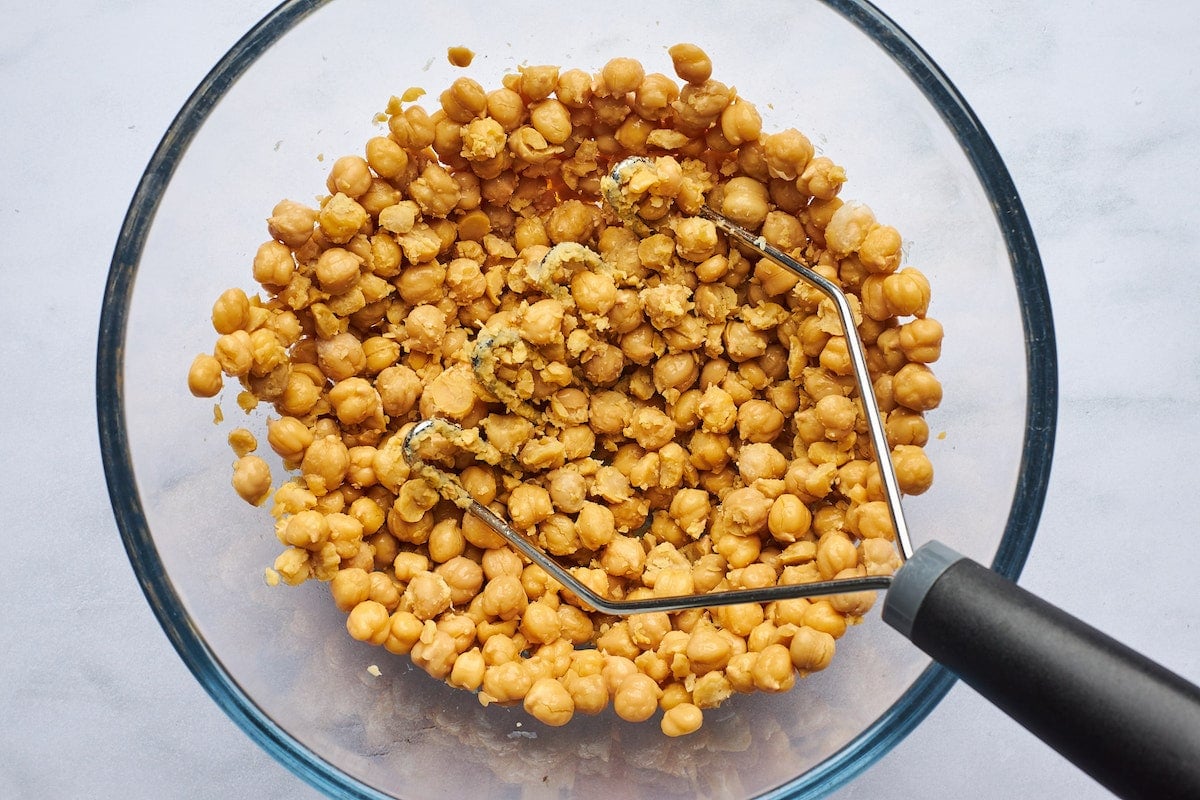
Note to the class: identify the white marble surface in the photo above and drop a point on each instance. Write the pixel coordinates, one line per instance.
(1093, 106)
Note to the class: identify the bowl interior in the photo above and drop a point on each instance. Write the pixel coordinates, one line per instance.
(279, 658)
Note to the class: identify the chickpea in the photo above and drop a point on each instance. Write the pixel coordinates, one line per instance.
(787, 153)
(914, 471)
(204, 376)
(504, 597)
(540, 623)
(593, 292)
(252, 479)
(690, 62)
(549, 701)
(552, 120)
(234, 353)
(921, 340)
(292, 224)
(880, 250)
(446, 541)
(742, 343)
(506, 107)
(741, 123)
(349, 175)
(707, 650)
(711, 690)
(811, 650)
(231, 311)
(681, 719)
(746, 202)
(350, 587)
(653, 97)
(916, 388)
(822, 616)
(324, 464)
(386, 157)
(837, 414)
(399, 389)
(773, 670)
(341, 217)
(906, 293)
(467, 672)
(622, 75)
(789, 519)
(589, 693)
(369, 621)
(623, 556)
(821, 179)
(636, 698)
(759, 421)
(341, 356)
(427, 595)
(356, 401)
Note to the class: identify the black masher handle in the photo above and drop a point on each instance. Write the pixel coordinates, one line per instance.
(1126, 721)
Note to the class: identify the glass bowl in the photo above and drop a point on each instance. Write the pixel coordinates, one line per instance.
(302, 88)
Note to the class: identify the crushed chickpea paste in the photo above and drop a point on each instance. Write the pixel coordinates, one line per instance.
(656, 408)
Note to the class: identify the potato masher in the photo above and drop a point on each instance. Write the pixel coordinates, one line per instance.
(1127, 721)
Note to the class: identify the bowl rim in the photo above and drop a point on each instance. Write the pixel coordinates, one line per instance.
(866, 748)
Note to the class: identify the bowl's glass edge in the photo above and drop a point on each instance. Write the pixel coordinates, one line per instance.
(869, 746)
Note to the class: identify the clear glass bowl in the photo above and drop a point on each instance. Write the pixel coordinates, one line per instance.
(306, 82)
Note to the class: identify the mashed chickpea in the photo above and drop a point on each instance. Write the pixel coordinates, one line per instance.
(661, 411)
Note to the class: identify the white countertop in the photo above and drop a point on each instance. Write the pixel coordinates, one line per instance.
(1093, 107)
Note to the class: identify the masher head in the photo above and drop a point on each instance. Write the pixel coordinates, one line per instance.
(622, 191)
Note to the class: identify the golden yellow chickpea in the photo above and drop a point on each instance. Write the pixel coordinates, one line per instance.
(552, 120)
(789, 518)
(292, 224)
(681, 719)
(204, 376)
(350, 587)
(386, 157)
(914, 470)
(252, 479)
(427, 595)
(636, 698)
(773, 670)
(231, 311)
(467, 672)
(741, 123)
(811, 650)
(622, 75)
(921, 340)
(707, 650)
(350, 175)
(369, 621)
(549, 701)
(916, 388)
(690, 63)
(906, 292)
